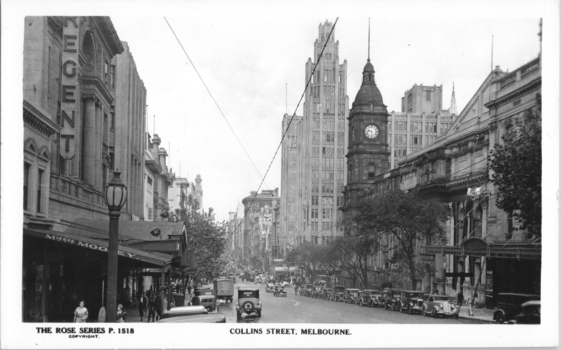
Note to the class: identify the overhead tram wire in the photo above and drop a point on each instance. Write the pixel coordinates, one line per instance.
(291, 118)
(213, 99)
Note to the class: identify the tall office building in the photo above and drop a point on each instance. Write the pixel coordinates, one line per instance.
(316, 147)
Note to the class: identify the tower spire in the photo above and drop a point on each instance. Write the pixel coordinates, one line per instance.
(368, 39)
(453, 108)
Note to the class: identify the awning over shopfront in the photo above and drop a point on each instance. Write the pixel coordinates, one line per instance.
(480, 247)
(159, 260)
(149, 236)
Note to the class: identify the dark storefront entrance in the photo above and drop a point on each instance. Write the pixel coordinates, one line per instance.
(58, 273)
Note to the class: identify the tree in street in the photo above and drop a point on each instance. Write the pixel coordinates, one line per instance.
(206, 240)
(517, 170)
(409, 219)
(309, 258)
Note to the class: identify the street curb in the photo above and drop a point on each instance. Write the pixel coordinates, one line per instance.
(477, 320)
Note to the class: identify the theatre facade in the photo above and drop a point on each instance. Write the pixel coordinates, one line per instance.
(84, 116)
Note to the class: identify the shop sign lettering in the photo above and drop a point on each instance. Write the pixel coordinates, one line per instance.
(70, 93)
(86, 245)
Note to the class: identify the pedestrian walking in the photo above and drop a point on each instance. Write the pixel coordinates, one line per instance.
(121, 314)
(460, 300)
(471, 303)
(158, 306)
(141, 305)
(189, 289)
(152, 309)
(81, 313)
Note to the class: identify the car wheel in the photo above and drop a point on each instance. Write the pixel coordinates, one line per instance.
(248, 305)
(500, 319)
(434, 314)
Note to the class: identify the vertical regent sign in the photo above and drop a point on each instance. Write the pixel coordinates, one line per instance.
(69, 94)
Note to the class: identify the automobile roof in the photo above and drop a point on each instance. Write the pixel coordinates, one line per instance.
(248, 288)
(532, 302)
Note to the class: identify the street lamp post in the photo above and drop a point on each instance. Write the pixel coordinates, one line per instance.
(115, 198)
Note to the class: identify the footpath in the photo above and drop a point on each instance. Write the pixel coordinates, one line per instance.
(481, 315)
(133, 314)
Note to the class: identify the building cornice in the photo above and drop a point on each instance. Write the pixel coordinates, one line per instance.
(528, 87)
(37, 120)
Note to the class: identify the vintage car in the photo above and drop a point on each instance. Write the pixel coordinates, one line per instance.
(190, 314)
(207, 298)
(530, 313)
(364, 297)
(308, 289)
(184, 311)
(391, 299)
(279, 291)
(270, 288)
(318, 292)
(338, 293)
(411, 301)
(224, 289)
(351, 295)
(510, 305)
(248, 305)
(376, 299)
(440, 305)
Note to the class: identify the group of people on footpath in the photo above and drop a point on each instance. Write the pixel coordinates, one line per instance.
(148, 303)
(151, 302)
(81, 313)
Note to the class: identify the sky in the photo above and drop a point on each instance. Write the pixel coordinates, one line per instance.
(254, 69)
(252, 55)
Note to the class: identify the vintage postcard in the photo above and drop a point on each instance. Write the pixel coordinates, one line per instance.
(244, 174)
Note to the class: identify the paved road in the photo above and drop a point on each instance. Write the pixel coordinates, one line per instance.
(300, 309)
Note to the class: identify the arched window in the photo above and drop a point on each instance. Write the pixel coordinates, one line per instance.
(350, 174)
(371, 170)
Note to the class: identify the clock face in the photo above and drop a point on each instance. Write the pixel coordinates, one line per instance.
(371, 131)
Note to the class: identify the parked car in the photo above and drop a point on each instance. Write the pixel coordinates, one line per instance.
(338, 293)
(318, 292)
(279, 291)
(351, 295)
(270, 288)
(440, 305)
(326, 293)
(391, 299)
(308, 289)
(184, 311)
(224, 289)
(510, 305)
(530, 313)
(375, 299)
(411, 301)
(364, 297)
(206, 298)
(248, 305)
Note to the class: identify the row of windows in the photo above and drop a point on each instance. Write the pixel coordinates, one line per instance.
(430, 127)
(328, 76)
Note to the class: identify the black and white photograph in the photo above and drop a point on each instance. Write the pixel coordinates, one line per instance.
(245, 174)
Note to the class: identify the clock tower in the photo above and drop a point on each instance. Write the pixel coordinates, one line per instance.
(367, 152)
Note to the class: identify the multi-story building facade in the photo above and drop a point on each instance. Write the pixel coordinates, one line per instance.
(157, 180)
(176, 192)
(421, 121)
(126, 151)
(485, 250)
(317, 149)
(258, 220)
(83, 120)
